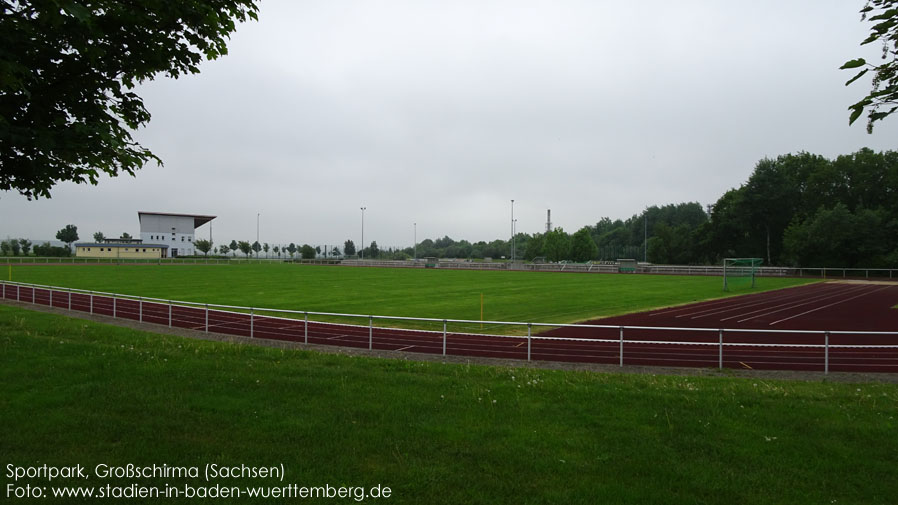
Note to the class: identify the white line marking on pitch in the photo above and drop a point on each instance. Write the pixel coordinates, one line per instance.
(830, 305)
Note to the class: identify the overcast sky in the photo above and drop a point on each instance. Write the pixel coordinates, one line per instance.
(441, 112)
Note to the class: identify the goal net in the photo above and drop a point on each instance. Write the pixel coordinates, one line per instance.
(740, 272)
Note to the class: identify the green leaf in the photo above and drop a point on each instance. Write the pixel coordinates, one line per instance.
(858, 76)
(855, 113)
(853, 64)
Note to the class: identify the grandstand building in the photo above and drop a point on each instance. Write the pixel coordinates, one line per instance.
(176, 231)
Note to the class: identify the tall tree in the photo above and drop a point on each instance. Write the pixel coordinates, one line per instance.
(67, 101)
(583, 248)
(126, 236)
(838, 237)
(266, 248)
(882, 100)
(534, 247)
(557, 245)
(257, 247)
(245, 247)
(99, 237)
(349, 247)
(308, 252)
(203, 245)
(233, 246)
(291, 249)
(26, 245)
(68, 235)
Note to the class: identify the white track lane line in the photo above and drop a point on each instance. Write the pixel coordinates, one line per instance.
(830, 305)
(714, 311)
(787, 307)
(728, 302)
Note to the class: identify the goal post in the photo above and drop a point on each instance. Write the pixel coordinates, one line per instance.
(740, 272)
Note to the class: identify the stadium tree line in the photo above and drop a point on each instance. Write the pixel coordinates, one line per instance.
(796, 210)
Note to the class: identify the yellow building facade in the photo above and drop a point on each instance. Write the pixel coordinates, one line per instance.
(121, 251)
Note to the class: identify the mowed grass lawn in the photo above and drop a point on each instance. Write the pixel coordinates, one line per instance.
(451, 294)
(78, 392)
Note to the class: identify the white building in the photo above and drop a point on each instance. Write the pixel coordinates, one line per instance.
(177, 231)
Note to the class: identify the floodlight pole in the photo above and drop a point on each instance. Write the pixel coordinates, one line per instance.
(257, 225)
(416, 240)
(645, 239)
(362, 249)
(512, 230)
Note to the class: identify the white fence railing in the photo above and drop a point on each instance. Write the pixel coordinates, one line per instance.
(295, 325)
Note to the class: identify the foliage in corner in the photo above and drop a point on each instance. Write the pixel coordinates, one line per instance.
(882, 100)
(67, 74)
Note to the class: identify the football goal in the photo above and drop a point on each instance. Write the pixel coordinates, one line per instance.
(740, 272)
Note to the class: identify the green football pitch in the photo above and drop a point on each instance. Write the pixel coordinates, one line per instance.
(451, 294)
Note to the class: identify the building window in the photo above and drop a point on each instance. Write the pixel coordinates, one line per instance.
(189, 239)
(144, 250)
(182, 238)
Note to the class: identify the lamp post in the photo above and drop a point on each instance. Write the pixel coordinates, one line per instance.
(257, 225)
(362, 248)
(512, 230)
(416, 240)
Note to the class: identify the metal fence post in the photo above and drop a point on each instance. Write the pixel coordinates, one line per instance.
(529, 327)
(91, 302)
(252, 322)
(444, 337)
(720, 351)
(51, 297)
(305, 328)
(370, 332)
(826, 353)
(169, 313)
(70, 298)
(207, 318)
(18, 293)
(113, 305)
(621, 346)
(140, 309)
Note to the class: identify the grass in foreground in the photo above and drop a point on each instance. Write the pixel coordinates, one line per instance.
(453, 294)
(79, 392)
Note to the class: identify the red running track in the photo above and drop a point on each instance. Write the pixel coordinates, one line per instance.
(815, 308)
